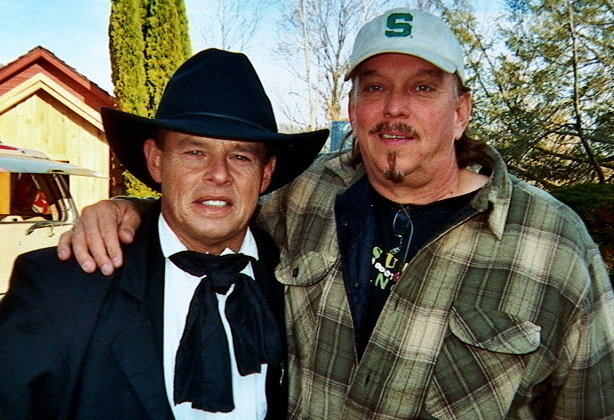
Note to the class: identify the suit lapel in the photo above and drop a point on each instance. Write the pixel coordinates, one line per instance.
(273, 291)
(138, 357)
(264, 270)
(138, 348)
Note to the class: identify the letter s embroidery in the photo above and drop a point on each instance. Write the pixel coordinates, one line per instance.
(398, 25)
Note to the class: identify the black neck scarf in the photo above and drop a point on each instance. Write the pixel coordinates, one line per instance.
(202, 365)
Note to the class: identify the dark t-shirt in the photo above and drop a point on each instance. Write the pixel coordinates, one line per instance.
(397, 242)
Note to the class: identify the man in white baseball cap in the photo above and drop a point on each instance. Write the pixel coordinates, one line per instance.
(422, 279)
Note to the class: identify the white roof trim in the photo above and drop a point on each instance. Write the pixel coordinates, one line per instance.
(41, 81)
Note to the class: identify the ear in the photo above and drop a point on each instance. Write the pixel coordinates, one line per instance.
(462, 114)
(153, 155)
(267, 173)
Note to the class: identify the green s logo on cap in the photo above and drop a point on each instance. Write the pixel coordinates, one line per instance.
(398, 25)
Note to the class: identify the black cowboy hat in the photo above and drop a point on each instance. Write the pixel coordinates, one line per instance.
(214, 94)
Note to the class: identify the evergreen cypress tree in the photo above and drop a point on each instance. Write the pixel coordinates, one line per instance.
(167, 43)
(127, 46)
(148, 40)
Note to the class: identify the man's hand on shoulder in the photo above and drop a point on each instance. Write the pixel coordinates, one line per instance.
(95, 238)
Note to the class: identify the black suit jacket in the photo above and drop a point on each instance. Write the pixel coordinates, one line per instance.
(81, 346)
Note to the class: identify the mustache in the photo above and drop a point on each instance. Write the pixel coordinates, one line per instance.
(396, 127)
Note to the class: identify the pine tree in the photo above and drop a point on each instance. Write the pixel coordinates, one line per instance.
(561, 59)
(542, 87)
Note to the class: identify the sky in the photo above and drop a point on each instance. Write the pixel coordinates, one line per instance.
(76, 32)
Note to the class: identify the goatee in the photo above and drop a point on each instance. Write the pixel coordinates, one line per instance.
(392, 174)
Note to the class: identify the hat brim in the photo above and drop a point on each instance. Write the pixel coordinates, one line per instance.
(126, 134)
(435, 59)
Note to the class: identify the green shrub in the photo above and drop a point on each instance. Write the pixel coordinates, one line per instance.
(595, 205)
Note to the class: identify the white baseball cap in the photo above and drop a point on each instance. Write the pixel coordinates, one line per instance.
(411, 32)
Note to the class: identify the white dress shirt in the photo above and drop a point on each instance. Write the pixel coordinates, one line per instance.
(248, 391)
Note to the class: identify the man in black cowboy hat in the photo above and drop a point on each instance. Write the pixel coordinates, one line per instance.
(192, 325)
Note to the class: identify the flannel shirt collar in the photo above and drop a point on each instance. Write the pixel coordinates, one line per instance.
(495, 196)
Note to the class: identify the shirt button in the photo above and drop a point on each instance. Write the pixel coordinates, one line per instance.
(295, 272)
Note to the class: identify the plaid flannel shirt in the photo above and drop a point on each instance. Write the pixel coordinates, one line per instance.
(506, 315)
